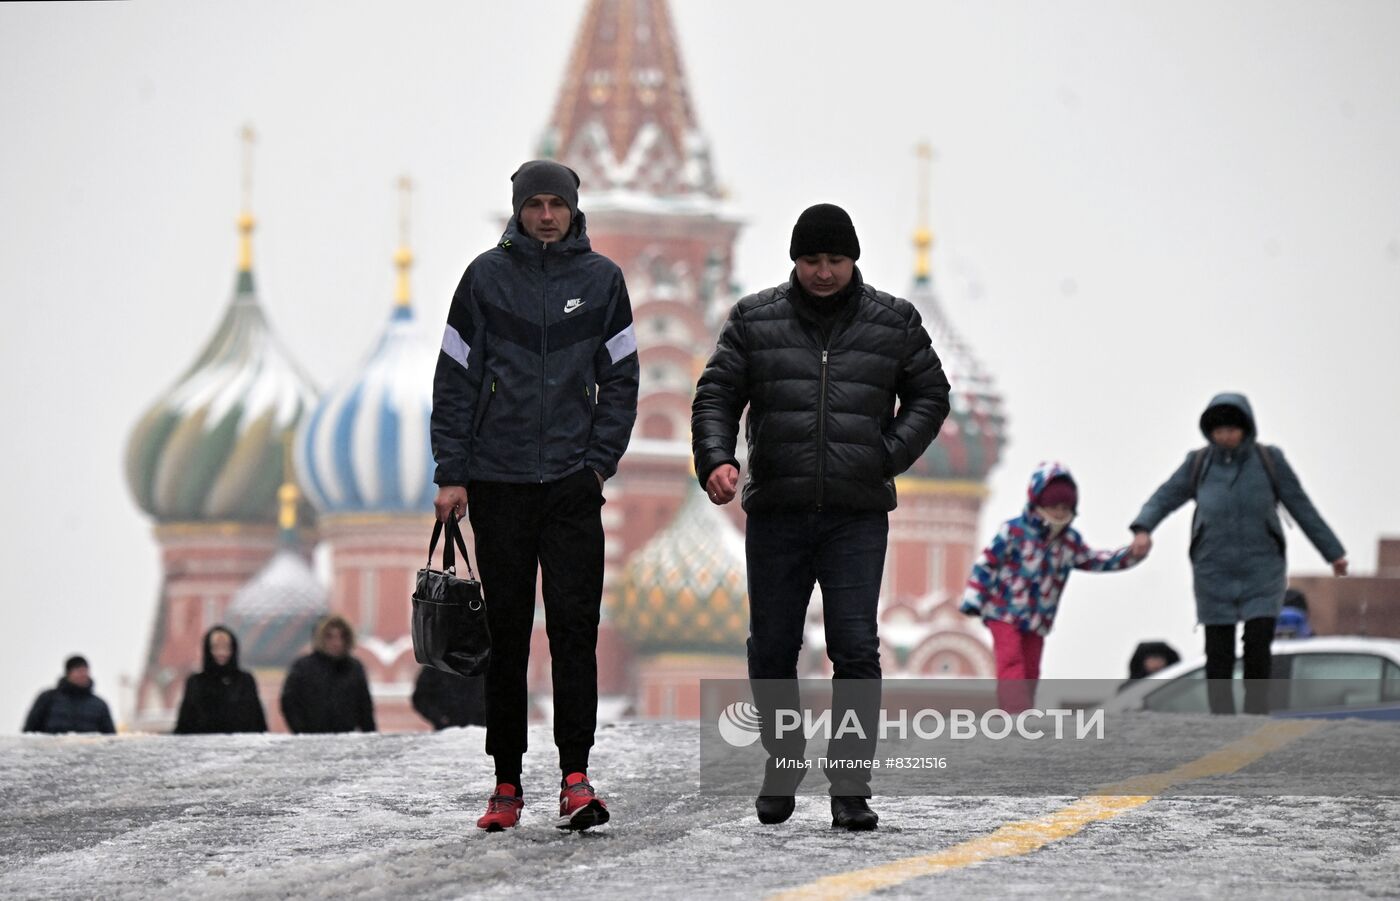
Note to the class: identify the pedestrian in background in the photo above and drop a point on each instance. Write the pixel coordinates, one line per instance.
(1293, 620)
(447, 699)
(71, 706)
(1151, 657)
(221, 697)
(326, 690)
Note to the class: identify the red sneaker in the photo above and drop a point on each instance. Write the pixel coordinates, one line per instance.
(579, 807)
(502, 810)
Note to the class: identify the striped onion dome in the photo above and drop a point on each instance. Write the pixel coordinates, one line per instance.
(685, 590)
(973, 435)
(274, 613)
(366, 447)
(210, 449)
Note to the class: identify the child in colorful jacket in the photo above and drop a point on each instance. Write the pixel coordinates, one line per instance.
(1015, 586)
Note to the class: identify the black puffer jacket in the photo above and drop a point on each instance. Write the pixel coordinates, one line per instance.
(326, 692)
(822, 431)
(69, 708)
(538, 372)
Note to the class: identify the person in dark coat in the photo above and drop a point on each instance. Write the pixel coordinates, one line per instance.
(1237, 542)
(222, 697)
(446, 699)
(71, 706)
(1150, 657)
(844, 392)
(326, 690)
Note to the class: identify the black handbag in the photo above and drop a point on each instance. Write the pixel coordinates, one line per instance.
(450, 632)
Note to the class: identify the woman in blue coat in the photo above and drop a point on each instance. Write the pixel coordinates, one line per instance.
(1237, 543)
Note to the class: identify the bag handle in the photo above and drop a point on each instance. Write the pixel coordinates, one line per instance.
(454, 536)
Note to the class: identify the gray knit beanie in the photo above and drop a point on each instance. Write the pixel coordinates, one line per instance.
(544, 177)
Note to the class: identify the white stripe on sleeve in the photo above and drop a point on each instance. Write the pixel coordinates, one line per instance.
(455, 347)
(622, 344)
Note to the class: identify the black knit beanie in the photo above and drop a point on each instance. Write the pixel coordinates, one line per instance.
(544, 177)
(824, 228)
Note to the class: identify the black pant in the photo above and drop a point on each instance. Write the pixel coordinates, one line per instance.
(788, 554)
(557, 528)
(1258, 665)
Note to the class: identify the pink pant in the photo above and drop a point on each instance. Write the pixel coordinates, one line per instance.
(1018, 665)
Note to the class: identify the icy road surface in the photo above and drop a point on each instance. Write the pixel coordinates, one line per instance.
(392, 816)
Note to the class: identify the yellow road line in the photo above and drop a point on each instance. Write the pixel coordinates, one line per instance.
(1015, 839)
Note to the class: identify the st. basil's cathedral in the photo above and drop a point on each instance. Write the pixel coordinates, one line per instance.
(245, 466)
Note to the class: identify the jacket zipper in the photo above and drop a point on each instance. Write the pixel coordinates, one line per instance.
(821, 435)
(821, 411)
(544, 347)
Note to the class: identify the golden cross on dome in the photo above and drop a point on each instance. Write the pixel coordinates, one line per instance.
(245, 218)
(405, 195)
(249, 137)
(923, 235)
(403, 257)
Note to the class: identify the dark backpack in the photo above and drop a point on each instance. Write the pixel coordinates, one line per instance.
(1201, 456)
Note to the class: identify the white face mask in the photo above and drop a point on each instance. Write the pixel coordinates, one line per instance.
(1056, 525)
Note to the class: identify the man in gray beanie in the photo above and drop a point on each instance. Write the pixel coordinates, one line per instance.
(844, 392)
(539, 179)
(533, 405)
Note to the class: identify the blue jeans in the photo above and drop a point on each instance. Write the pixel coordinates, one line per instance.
(788, 554)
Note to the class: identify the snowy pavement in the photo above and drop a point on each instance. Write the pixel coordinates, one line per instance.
(392, 816)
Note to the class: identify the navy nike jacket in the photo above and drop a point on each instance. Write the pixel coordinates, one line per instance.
(537, 376)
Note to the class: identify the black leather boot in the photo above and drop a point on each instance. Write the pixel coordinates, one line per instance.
(852, 813)
(774, 808)
(775, 801)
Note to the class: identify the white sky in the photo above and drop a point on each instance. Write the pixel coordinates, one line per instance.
(1136, 205)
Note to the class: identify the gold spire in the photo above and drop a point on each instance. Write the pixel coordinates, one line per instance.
(923, 235)
(245, 218)
(289, 495)
(403, 257)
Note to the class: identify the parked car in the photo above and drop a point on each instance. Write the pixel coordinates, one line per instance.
(1332, 677)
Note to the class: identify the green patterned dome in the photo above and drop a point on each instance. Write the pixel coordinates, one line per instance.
(685, 590)
(971, 440)
(211, 449)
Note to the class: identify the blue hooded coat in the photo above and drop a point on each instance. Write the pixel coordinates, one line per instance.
(1237, 542)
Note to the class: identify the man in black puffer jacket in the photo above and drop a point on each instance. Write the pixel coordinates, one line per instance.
(533, 405)
(70, 707)
(820, 362)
